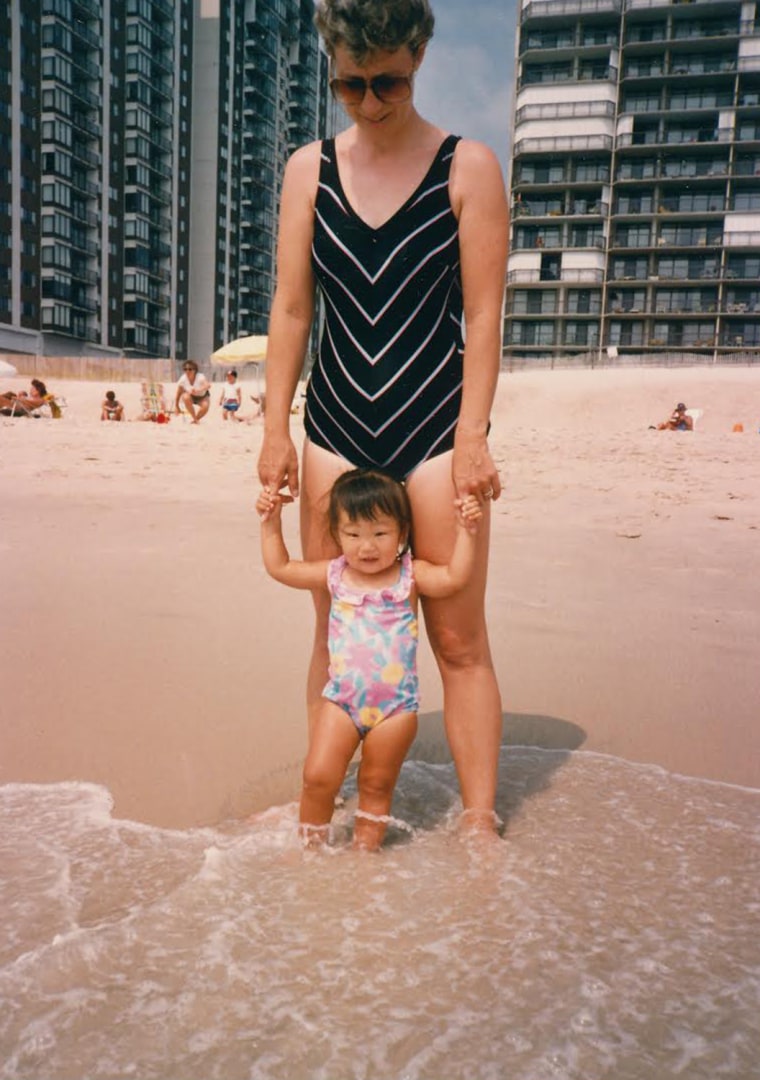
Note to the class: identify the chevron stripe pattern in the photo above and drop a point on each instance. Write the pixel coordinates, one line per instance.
(386, 387)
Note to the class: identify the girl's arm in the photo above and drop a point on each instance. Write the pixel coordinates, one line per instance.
(439, 581)
(277, 561)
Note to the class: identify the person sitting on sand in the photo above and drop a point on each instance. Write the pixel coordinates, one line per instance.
(678, 420)
(24, 403)
(371, 697)
(193, 391)
(111, 409)
(232, 396)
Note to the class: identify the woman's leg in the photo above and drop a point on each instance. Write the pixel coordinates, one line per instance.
(203, 408)
(319, 471)
(458, 635)
(187, 401)
(383, 754)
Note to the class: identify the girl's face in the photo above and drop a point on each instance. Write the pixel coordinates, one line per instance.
(370, 547)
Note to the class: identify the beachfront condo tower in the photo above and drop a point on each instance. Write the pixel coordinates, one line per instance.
(142, 144)
(261, 91)
(635, 181)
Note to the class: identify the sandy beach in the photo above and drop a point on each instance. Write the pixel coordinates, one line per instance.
(145, 649)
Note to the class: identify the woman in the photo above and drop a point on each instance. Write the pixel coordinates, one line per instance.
(24, 404)
(193, 391)
(405, 229)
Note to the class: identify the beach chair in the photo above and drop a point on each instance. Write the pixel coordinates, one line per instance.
(695, 415)
(52, 407)
(153, 401)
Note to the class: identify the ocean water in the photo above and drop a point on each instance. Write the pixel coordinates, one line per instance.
(613, 933)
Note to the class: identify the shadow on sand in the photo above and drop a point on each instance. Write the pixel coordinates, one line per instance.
(430, 795)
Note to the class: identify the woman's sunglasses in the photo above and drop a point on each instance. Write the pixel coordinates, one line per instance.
(390, 89)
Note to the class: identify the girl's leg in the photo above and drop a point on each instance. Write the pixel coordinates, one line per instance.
(332, 743)
(318, 473)
(383, 754)
(458, 635)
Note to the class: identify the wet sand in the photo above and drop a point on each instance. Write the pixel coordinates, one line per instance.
(144, 648)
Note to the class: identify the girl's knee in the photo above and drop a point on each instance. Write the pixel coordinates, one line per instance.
(320, 781)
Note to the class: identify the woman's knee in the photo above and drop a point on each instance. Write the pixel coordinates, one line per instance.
(456, 645)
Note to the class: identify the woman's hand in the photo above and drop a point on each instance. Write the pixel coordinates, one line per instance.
(278, 464)
(473, 469)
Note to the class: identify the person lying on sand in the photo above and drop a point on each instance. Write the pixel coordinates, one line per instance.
(24, 404)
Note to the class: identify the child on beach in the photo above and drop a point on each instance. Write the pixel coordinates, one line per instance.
(111, 409)
(232, 396)
(371, 697)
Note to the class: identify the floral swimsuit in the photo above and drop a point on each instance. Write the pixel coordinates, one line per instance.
(373, 648)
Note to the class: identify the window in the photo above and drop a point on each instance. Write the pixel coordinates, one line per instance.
(584, 301)
(581, 333)
(626, 333)
(532, 333)
(531, 302)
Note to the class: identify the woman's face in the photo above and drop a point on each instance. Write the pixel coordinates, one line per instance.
(394, 72)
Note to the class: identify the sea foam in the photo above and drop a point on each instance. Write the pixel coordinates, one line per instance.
(614, 931)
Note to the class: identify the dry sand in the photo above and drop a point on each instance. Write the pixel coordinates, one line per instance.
(143, 646)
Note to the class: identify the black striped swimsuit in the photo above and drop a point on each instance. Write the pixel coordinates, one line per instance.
(386, 386)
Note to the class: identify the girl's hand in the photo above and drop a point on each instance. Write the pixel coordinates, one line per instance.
(269, 504)
(470, 511)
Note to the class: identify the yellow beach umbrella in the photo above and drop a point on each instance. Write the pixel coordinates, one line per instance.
(244, 350)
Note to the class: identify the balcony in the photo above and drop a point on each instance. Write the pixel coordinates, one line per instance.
(588, 276)
(563, 144)
(542, 8)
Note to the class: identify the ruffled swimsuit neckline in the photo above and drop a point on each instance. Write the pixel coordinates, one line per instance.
(399, 590)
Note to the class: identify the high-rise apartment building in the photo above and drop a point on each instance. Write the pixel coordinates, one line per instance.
(261, 91)
(142, 144)
(635, 180)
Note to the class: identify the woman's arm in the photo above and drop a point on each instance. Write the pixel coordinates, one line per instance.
(291, 317)
(480, 203)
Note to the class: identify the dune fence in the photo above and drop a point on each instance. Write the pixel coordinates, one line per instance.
(93, 368)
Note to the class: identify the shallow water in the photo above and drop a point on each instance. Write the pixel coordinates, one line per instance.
(614, 933)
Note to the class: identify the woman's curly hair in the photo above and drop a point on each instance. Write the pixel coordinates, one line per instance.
(368, 26)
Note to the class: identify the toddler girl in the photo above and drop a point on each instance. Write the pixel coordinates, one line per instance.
(371, 696)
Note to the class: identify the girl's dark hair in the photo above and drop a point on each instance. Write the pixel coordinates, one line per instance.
(362, 494)
(40, 387)
(367, 26)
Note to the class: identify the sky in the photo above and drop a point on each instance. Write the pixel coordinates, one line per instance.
(465, 82)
